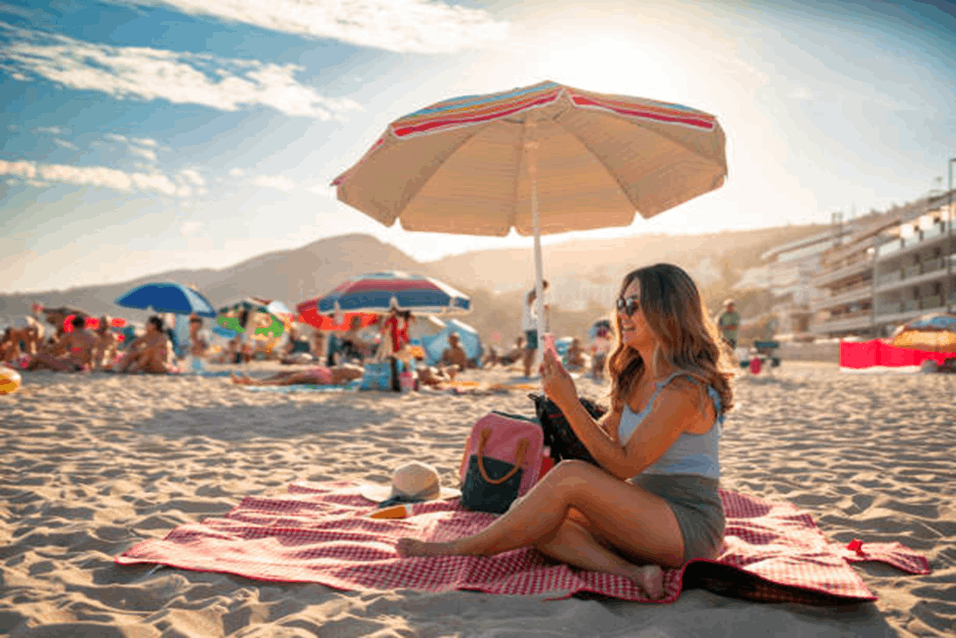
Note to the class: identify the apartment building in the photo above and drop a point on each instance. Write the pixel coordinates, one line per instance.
(889, 272)
(791, 269)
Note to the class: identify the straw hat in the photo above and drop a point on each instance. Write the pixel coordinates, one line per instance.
(413, 481)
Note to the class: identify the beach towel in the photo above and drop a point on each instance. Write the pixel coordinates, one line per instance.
(300, 387)
(321, 533)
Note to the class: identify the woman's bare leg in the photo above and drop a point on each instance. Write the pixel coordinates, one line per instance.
(574, 545)
(637, 523)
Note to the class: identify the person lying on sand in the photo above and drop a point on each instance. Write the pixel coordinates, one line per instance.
(148, 353)
(74, 352)
(653, 499)
(319, 375)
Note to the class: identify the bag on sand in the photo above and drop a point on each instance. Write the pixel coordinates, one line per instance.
(502, 461)
(377, 376)
(558, 435)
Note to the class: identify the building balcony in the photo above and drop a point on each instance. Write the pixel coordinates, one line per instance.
(914, 275)
(899, 247)
(849, 322)
(844, 297)
(899, 313)
(824, 279)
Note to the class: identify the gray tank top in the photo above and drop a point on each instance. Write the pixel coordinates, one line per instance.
(691, 453)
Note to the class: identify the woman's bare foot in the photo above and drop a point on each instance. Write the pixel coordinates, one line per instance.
(407, 547)
(650, 580)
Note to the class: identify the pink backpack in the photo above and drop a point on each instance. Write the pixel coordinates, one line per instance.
(496, 439)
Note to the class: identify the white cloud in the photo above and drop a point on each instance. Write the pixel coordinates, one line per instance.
(98, 176)
(20, 168)
(143, 141)
(87, 176)
(37, 183)
(143, 152)
(421, 26)
(153, 74)
(191, 176)
(323, 190)
(116, 138)
(65, 144)
(801, 93)
(52, 130)
(278, 182)
(236, 172)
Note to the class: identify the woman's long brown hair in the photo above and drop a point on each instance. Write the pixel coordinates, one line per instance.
(687, 338)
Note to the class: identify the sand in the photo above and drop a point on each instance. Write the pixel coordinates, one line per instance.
(92, 464)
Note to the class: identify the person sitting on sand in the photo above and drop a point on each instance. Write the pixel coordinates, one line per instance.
(653, 500)
(149, 353)
(198, 344)
(107, 346)
(576, 357)
(319, 375)
(454, 359)
(72, 353)
(9, 347)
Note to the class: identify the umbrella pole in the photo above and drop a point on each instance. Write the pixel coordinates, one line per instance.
(531, 147)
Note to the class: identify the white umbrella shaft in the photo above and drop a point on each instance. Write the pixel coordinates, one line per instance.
(531, 146)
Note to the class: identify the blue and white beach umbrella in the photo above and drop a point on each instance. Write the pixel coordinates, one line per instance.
(379, 292)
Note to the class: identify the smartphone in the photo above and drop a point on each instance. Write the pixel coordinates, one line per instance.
(548, 340)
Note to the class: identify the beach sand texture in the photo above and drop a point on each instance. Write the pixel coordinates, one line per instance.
(92, 464)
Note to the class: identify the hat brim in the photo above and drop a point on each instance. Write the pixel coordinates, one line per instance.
(379, 493)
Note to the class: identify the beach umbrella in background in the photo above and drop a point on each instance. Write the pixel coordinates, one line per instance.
(379, 292)
(277, 315)
(309, 314)
(934, 332)
(167, 297)
(434, 345)
(541, 159)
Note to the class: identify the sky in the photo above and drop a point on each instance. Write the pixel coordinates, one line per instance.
(138, 136)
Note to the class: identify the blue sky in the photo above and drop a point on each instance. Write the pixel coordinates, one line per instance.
(142, 135)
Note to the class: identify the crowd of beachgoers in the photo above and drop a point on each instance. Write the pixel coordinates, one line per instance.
(62, 342)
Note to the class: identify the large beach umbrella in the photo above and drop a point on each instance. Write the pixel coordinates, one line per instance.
(167, 297)
(379, 292)
(541, 159)
(935, 332)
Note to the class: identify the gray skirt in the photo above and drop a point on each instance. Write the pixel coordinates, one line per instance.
(697, 507)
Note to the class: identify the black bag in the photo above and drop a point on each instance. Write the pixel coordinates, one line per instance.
(488, 486)
(558, 435)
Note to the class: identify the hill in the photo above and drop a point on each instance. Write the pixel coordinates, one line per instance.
(584, 275)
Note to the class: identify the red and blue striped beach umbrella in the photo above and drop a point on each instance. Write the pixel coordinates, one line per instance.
(540, 159)
(378, 292)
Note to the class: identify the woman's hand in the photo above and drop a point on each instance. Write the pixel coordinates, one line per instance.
(557, 382)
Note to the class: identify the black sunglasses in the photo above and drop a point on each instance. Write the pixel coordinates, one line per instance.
(628, 305)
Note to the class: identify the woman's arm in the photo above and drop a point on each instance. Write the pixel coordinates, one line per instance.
(676, 410)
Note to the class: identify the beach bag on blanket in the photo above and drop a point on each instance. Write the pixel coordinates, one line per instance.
(558, 436)
(502, 461)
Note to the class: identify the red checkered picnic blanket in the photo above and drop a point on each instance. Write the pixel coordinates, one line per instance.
(321, 533)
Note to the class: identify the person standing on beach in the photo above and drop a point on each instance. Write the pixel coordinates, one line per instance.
(653, 498)
(729, 323)
(529, 324)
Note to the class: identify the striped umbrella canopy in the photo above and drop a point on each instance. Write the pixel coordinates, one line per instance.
(379, 292)
(541, 159)
(935, 332)
(332, 322)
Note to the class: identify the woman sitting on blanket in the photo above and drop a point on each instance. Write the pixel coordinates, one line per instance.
(654, 499)
(149, 353)
(319, 375)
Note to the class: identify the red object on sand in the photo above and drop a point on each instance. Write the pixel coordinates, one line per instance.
(322, 533)
(865, 354)
(756, 365)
